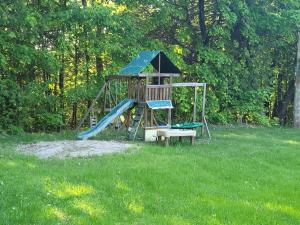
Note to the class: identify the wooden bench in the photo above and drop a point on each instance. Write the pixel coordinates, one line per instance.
(167, 134)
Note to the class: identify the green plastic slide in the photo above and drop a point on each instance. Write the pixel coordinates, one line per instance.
(105, 121)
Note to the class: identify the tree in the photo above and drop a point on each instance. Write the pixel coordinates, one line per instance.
(55, 54)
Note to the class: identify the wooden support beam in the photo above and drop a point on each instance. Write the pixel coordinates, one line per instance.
(192, 84)
(91, 107)
(138, 90)
(170, 110)
(151, 117)
(203, 108)
(195, 105)
(111, 96)
(158, 86)
(120, 77)
(169, 117)
(159, 75)
(159, 58)
(140, 75)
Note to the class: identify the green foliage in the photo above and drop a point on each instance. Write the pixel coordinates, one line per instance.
(9, 104)
(39, 111)
(54, 56)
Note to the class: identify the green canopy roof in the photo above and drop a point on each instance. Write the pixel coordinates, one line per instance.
(138, 64)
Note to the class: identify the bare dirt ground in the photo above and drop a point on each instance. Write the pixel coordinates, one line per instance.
(63, 149)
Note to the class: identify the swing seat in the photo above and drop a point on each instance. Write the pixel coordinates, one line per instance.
(187, 125)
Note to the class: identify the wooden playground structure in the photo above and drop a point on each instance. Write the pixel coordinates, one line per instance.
(147, 92)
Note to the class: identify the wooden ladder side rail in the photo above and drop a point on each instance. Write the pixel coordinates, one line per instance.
(91, 107)
(139, 123)
(111, 96)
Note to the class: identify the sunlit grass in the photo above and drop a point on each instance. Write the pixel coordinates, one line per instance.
(244, 176)
(53, 211)
(67, 189)
(135, 207)
(91, 208)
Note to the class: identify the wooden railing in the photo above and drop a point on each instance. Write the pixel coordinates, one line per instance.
(143, 93)
(158, 92)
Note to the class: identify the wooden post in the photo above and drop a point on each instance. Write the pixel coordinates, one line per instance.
(128, 88)
(195, 105)
(128, 119)
(145, 107)
(116, 90)
(192, 140)
(109, 95)
(159, 139)
(146, 90)
(203, 108)
(138, 89)
(171, 89)
(159, 68)
(105, 96)
(297, 89)
(128, 116)
(151, 118)
(167, 141)
(170, 110)
(146, 117)
(180, 139)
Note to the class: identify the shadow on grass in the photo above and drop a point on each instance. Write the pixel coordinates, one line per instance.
(229, 181)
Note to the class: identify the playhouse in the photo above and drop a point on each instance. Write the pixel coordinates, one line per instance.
(147, 92)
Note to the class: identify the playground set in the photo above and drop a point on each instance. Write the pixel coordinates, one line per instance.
(147, 92)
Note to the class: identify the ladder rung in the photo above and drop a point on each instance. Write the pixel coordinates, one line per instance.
(130, 129)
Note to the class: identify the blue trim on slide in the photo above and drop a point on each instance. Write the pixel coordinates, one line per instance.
(106, 120)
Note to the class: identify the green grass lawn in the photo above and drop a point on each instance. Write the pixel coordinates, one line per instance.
(244, 176)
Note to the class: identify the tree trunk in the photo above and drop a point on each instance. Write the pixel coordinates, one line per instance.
(99, 67)
(297, 89)
(76, 69)
(202, 25)
(87, 57)
(99, 62)
(62, 81)
(279, 99)
(61, 78)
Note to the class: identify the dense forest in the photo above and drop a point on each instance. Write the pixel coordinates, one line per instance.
(55, 54)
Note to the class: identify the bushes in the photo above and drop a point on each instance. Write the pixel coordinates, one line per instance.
(40, 108)
(9, 106)
(28, 109)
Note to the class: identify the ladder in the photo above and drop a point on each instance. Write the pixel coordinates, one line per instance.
(93, 121)
(133, 129)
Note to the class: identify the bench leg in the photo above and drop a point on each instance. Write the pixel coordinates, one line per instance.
(159, 139)
(180, 139)
(167, 141)
(192, 140)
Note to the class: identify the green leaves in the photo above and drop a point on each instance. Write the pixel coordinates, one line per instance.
(54, 56)
(31, 20)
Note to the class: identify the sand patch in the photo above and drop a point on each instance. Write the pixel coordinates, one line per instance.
(63, 149)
